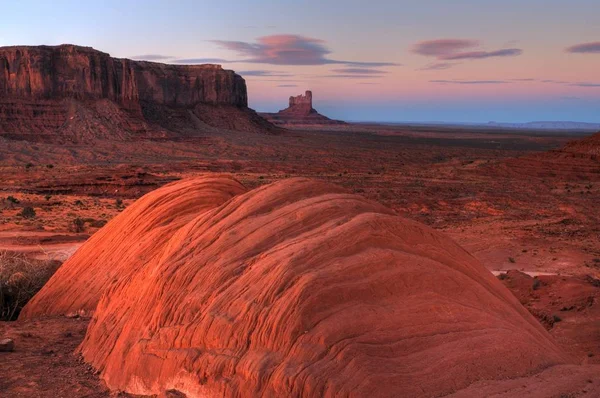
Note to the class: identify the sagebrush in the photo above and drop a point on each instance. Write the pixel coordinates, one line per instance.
(20, 279)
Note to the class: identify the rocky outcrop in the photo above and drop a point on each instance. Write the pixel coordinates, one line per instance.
(297, 288)
(67, 71)
(587, 146)
(300, 105)
(40, 87)
(299, 112)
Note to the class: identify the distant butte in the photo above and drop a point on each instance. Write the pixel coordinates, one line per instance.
(300, 111)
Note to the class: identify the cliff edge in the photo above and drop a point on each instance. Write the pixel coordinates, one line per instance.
(76, 93)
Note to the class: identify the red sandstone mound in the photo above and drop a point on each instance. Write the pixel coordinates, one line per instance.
(300, 112)
(586, 146)
(293, 289)
(127, 242)
(78, 94)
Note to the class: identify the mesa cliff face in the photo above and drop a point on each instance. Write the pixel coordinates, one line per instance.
(41, 88)
(83, 73)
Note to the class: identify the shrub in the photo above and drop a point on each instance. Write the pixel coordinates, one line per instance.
(27, 212)
(556, 318)
(97, 223)
(28, 166)
(512, 260)
(50, 166)
(536, 284)
(12, 199)
(78, 225)
(119, 203)
(20, 279)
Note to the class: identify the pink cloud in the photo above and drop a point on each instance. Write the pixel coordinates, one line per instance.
(288, 50)
(455, 49)
(507, 52)
(442, 47)
(585, 48)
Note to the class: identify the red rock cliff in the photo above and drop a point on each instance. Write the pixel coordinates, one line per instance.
(78, 94)
(69, 71)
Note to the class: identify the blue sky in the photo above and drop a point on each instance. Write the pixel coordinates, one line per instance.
(392, 60)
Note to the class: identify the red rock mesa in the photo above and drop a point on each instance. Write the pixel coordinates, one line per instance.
(80, 94)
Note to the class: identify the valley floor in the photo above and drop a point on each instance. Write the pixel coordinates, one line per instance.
(512, 200)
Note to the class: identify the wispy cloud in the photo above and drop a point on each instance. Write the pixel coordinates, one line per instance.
(287, 85)
(438, 66)
(554, 81)
(261, 73)
(360, 71)
(201, 61)
(470, 81)
(585, 48)
(529, 79)
(442, 47)
(507, 52)
(456, 49)
(151, 57)
(342, 76)
(288, 50)
(585, 84)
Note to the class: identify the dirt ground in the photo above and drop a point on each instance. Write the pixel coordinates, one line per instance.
(512, 200)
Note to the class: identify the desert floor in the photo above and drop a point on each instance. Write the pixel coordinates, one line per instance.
(513, 200)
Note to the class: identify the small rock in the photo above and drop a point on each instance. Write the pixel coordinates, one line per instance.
(7, 345)
(174, 394)
(47, 351)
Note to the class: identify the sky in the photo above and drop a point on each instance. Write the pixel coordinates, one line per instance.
(381, 60)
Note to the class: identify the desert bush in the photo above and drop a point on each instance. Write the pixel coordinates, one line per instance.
(78, 225)
(512, 260)
(27, 212)
(96, 223)
(12, 199)
(20, 279)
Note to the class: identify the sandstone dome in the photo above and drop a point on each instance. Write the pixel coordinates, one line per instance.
(296, 288)
(127, 242)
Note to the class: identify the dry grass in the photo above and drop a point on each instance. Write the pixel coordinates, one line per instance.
(20, 279)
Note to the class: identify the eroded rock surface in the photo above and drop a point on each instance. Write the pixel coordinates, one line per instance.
(296, 288)
(300, 111)
(80, 94)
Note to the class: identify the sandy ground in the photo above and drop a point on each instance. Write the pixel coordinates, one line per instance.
(503, 197)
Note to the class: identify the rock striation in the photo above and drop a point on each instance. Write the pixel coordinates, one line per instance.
(296, 288)
(42, 87)
(299, 112)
